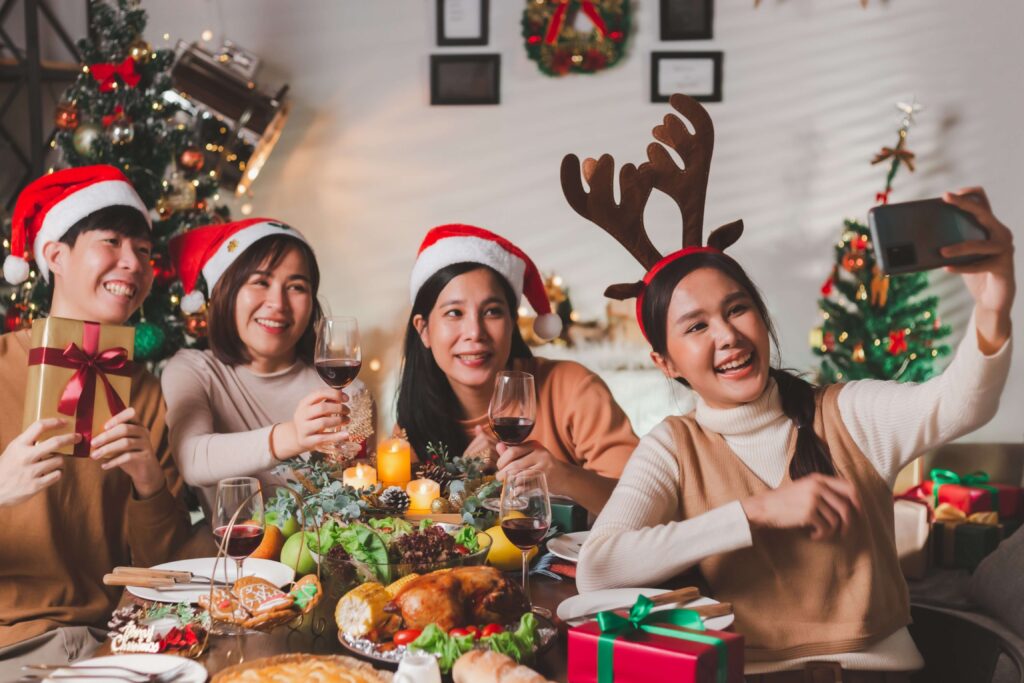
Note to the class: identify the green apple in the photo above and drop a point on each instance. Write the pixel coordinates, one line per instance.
(290, 555)
(286, 523)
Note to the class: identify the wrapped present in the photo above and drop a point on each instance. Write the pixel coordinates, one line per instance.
(666, 645)
(973, 493)
(962, 541)
(913, 531)
(79, 371)
(568, 515)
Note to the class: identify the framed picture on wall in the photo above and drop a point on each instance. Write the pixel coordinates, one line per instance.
(697, 74)
(465, 79)
(686, 19)
(462, 22)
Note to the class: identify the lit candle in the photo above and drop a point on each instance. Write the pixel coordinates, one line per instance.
(422, 492)
(359, 477)
(394, 462)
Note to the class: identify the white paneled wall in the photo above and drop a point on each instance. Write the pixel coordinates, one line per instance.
(366, 165)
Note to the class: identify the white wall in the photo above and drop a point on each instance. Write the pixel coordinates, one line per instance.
(366, 165)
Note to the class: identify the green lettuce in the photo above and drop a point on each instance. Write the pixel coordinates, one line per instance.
(467, 536)
(365, 545)
(390, 528)
(520, 644)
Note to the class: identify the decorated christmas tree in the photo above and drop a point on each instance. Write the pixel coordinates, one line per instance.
(873, 325)
(116, 113)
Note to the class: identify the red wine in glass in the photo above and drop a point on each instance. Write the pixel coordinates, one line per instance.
(512, 430)
(524, 532)
(244, 539)
(338, 374)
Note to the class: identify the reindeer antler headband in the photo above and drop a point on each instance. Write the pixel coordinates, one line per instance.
(687, 186)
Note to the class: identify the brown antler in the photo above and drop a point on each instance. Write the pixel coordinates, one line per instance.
(623, 220)
(687, 186)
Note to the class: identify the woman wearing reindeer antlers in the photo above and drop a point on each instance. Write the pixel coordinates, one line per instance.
(780, 491)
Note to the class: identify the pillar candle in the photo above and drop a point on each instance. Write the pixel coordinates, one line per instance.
(422, 492)
(394, 462)
(359, 477)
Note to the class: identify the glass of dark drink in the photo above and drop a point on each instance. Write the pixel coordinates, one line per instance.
(525, 514)
(513, 408)
(238, 517)
(337, 359)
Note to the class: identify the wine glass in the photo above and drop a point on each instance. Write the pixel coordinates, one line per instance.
(337, 359)
(525, 514)
(513, 408)
(238, 515)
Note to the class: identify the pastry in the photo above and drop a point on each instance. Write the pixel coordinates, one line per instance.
(302, 668)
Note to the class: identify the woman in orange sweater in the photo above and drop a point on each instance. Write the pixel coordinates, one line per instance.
(462, 331)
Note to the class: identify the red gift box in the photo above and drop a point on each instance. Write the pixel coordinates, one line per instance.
(971, 497)
(640, 657)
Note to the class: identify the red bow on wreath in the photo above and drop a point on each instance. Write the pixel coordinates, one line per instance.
(104, 74)
(897, 342)
(114, 116)
(558, 18)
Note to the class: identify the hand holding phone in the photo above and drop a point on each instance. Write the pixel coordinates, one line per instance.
(912, 236)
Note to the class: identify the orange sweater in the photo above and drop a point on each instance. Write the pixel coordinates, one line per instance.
(56, 546)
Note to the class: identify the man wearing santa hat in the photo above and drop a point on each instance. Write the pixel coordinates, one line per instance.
(69, 520)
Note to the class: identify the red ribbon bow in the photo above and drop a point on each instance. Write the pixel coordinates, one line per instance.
(558, 18)
(897, 342)
(104, 74)
(88, 363)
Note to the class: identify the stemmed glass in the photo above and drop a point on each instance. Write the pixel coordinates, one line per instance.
(525, 514)
(513, 408)
(338, 358)
(238, 514)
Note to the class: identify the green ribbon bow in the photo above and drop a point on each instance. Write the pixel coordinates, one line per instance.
(977, 479)
(614, 626)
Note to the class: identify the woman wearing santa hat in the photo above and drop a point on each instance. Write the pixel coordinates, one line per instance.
(465, 289)
(253, 399)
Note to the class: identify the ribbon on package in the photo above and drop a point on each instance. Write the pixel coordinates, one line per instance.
(88, 362)
(976, 479)
(950, 517)
(664, 623)
(558, 18)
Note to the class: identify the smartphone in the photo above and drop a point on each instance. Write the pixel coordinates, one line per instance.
(907, 236)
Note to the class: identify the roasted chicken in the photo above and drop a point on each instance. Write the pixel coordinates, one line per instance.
(459, 597)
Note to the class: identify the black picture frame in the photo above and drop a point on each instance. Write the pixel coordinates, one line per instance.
(443, 40)
(714, 94)
(686, 19)
(465, 79)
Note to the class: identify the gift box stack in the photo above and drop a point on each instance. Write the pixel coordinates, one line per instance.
(668, 645)
(969, 515)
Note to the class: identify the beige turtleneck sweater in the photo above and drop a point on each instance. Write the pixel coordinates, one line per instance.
(891, 424)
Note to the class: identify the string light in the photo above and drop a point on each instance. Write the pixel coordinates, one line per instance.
(206, 35)
(839, 375)
(878, 342)
(246, 209)
(174, 299)
(843, 336)
(913, 356)
(374, 365)
(935, 352)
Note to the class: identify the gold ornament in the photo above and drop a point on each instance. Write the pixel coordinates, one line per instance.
(879, 287)
(85, 135)
(163, 208)
(181, 193)
(121, 131)
(140, 51)
(858, 353)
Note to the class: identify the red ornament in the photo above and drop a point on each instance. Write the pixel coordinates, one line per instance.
(195, 325)
(17, 317)
(191, 159)
(829, 341)
(826, 288)
(66, 117)
(617, 36)
(860, 242)
(201, 205)
(115, 115)
(163, 270)
(897, 342)
(882, 197)
(533, 40)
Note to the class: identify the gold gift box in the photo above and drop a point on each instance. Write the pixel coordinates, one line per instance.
(49, 372)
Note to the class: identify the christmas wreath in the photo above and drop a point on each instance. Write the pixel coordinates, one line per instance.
(558, 47)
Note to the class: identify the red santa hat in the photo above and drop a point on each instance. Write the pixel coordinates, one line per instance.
(212, 249)
(446, 245)
(49, 206)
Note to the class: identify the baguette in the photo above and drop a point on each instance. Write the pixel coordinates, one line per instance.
(487, 666)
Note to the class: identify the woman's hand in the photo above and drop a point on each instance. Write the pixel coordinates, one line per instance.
(530, 455)
(823, 504)
(127, 444)
(482, 447)
(28, 465)
(316, 412)
(990, 281)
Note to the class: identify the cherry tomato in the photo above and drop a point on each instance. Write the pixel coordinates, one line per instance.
(458, 632)
(407, 636)
(461, 550)
(474, 630)
(491, 629)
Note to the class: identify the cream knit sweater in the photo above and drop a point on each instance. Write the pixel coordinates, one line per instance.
(891, 424)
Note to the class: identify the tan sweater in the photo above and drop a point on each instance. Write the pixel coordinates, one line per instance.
(578, 421)
(56, 546)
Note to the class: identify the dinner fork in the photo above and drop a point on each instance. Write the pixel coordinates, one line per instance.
(124, 673)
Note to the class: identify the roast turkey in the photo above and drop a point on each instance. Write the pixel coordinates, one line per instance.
(459, 597)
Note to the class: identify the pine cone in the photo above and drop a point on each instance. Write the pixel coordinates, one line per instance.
(394, 498)
(437, 473)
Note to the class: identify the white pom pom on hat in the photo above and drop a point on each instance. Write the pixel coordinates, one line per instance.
(446, 245)
(211, 249)
(49, 206)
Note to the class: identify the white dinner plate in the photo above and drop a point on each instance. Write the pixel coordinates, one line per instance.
(95, 670)
(567, 546)
(278, 574)
(585, 603)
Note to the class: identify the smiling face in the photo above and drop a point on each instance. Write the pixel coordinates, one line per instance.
(272, 311)
(104, 277)
(469, 332)
(716, 339)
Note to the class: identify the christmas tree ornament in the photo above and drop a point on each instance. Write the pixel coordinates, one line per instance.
(163, 208)
(121, 131)
(181, 193)
(66, 117)
(195, 325)
(853, 261)
(829, 342)
(163, 270)
(879, 287)
(140, 51)
(85, 136)
(191, 159)
(554, 39)
(149, 340)
(440, 506)
(858, 353)
(816, 338)
(862, 292)
(17, 317)
(897, 342)
(110, 76)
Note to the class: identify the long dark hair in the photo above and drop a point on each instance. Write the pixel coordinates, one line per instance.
(225, 342)
(426, 405)
(797, 395)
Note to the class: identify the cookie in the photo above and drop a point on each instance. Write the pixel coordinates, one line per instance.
(258, 595)
(306, 593)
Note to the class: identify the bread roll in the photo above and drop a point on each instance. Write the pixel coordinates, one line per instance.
(487, 666)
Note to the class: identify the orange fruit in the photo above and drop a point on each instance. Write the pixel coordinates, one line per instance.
(273, 541)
